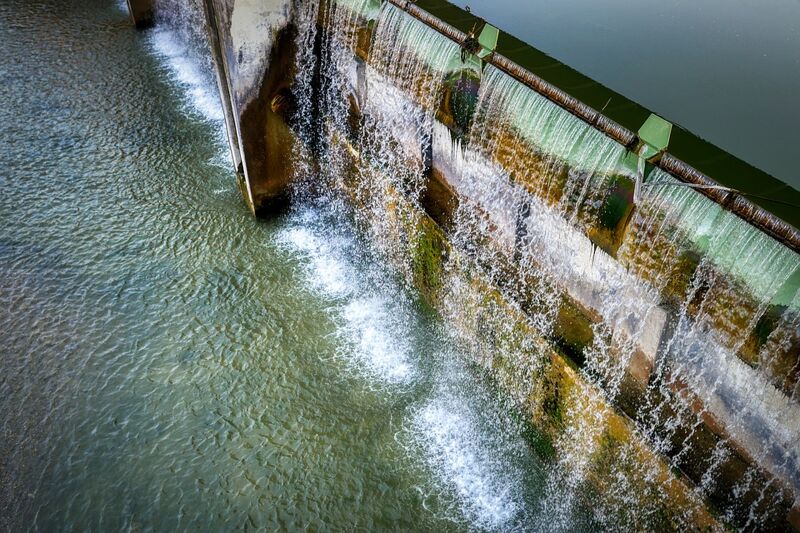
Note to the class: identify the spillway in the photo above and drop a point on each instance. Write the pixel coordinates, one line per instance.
(467, 299)
(643, 317)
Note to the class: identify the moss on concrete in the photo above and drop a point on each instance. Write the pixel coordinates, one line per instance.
(607, 232)
(459, 101)
(573, 330)
(429, 251)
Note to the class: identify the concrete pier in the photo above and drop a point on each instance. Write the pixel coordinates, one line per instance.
(141, 12)
(253, 53)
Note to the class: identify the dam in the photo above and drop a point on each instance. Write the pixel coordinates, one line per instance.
(366, 268)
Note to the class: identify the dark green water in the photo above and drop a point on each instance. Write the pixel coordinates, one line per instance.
(170, 363)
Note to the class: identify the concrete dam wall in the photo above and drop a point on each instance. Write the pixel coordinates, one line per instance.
(643, 318)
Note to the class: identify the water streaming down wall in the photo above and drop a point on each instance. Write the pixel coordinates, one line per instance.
(524, 157)
(641, 340)
(375, 119)
(550, 175)
(391, 161)
(718, 364)
(713, 316)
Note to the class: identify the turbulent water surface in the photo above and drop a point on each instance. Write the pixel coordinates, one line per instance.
(169, 362)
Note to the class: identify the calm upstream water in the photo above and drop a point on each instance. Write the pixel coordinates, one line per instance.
(168, 362)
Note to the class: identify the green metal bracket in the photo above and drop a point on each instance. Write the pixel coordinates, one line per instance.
(480, 43)
(653, 140)
(488, 40)
(654, 136)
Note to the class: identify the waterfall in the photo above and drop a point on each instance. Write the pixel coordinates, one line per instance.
(402, 80)
(525, 157)
(547, 150)
(395, 95)
(737, 281)
(688, 308)
(379, 163)
(549, 174)
(180, 37)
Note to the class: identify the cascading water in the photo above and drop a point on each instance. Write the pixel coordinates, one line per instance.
(549, 173)
(379, 163)
(407, 64)
(395, 94)
(524, 151)
(558, 157)
(180, 37)
(398, 97)
(717, 315)
(691, 298)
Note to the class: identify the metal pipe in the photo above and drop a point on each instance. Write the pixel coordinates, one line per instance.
(607, 126)
(737, 204)
(437, 24)
(733, 202)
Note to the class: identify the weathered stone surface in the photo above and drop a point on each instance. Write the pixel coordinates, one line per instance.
(256, 45)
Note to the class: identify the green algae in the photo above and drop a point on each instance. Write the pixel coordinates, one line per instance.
(428, 255)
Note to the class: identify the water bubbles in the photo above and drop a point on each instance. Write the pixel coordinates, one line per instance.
(372, 317)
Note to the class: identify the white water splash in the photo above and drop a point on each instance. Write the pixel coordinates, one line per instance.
(371, 323)
(471, 455)
(378, 345)
(201, 97)
(325, 272)
(474, 450)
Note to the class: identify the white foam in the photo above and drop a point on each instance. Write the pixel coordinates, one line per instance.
(448, 431)
(470, 458)
(201, 98)
(371, 325)
(326, 272)
(377, 344)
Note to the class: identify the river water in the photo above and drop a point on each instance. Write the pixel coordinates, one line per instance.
(168, 362)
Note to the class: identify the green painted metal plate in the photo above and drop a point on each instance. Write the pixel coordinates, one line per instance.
(488, 40)
(656, 132)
